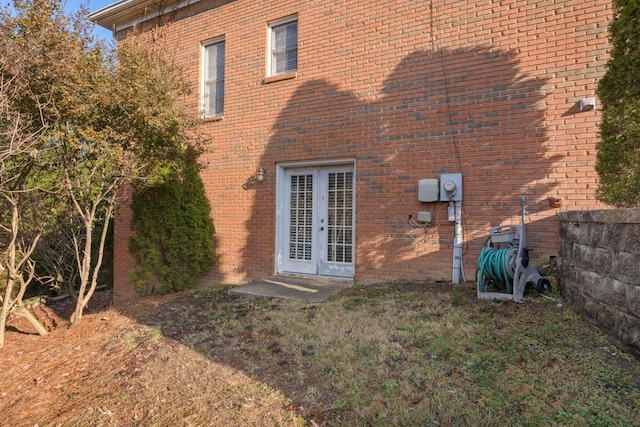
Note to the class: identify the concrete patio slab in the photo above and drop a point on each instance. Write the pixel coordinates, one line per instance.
(304, 288)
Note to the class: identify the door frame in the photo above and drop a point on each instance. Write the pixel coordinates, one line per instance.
(282, 191)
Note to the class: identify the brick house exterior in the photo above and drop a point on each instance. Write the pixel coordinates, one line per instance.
(384, 94)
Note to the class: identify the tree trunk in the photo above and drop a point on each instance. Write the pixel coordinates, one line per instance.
(84, 261)
(24, 312)
(89, 276)
(6, 306)
(18, 258)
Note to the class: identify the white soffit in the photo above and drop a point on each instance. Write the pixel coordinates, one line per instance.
(126, 13)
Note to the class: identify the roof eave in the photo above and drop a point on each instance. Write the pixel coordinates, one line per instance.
(126, 13)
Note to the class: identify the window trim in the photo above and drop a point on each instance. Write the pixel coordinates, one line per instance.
(203, 75)
(269, 63)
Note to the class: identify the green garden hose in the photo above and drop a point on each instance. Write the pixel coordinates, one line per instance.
(497, 265)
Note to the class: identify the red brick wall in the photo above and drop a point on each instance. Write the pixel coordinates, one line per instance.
(409, 89)
(123, 261)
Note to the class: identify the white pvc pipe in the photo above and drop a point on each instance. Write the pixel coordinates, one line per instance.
(457, 242)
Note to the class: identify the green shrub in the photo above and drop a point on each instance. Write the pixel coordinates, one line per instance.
(173, 240)
(618, 158)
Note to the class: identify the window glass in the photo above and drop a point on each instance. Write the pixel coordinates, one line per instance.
(284, 48)
(213, 88)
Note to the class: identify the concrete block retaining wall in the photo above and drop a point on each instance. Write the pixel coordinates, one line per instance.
(599, 270)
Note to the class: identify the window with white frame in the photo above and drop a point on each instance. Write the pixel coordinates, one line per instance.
(213, 79)
(283, 46)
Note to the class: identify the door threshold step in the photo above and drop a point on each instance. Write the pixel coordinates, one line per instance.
(303, 288)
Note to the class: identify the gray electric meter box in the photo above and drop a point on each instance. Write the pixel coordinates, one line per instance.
(451, 187)
(428, 190)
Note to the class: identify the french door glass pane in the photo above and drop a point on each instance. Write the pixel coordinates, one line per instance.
(340, 217)
(300, 217)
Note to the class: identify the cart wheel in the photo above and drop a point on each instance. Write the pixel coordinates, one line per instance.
(543, 286)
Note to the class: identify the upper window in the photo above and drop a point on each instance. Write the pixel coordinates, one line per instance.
(283, 46)
(213, 79)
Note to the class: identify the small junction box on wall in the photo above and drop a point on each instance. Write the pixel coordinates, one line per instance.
(424, 216)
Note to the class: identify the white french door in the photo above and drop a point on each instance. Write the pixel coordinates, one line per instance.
(316, 221)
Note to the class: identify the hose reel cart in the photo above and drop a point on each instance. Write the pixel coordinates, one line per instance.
(504, 265)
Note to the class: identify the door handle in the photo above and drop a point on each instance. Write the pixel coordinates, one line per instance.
(321, 228)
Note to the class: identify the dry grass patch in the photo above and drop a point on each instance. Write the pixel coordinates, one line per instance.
(417, 354)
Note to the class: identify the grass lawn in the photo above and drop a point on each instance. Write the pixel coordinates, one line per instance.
(402, 354)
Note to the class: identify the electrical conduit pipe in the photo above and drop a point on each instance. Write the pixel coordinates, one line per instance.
(457, 242)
